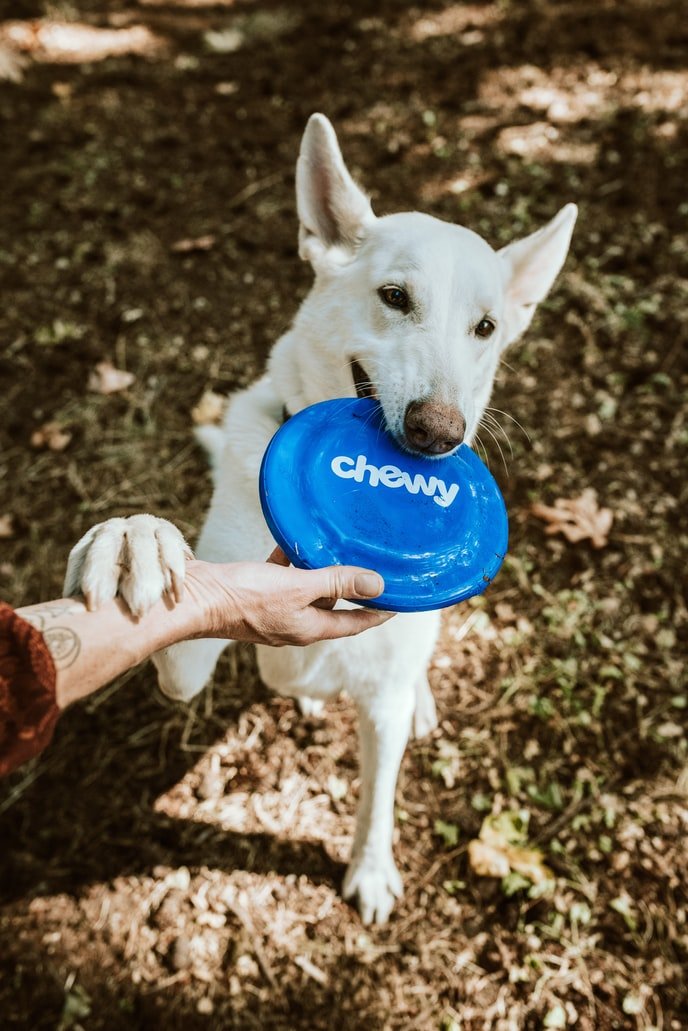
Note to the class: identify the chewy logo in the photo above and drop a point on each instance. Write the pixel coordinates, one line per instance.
(391, 476)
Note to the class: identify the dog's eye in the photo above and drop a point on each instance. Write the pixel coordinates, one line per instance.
(485, 329)
(395, 297)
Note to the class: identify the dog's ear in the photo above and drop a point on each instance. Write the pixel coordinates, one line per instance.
(333, 211)
(530, 267)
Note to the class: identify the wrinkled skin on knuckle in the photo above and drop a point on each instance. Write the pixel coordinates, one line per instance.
(338, 582)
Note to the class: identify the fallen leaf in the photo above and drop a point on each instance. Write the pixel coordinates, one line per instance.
(577, 518)
(51, 435)
(63, 42)
(528, 862)
(6, 526)
(499, 849)
(487, 861)
(12, 64)
(224, 41)
(106, 379)
(507, 828)
(209, 409)
(62, 90)
(197, 243)
(226, 89)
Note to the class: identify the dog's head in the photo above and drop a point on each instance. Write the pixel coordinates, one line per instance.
(410, 309)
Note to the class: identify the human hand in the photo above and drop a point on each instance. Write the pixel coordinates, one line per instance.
(273, 603)
(143, 559)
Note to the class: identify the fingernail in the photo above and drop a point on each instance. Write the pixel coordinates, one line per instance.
(368, 585)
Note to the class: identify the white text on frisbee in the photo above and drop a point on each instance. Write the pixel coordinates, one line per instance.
(391, 476)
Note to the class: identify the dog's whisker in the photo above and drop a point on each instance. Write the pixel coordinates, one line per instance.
(499, 448)
(368, 359)
(491, 421)
(486, 457)
(354, 361)
(521, 427)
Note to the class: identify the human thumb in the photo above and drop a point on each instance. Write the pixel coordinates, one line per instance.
(351, 582)
(364, 584)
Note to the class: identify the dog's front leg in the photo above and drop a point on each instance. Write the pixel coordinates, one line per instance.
(372, 876)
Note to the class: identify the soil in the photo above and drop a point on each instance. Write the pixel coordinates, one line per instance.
(172, 867)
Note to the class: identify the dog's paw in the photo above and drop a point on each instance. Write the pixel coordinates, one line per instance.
(141, 558)
(425, 713)
(375, 885)
(310, 706)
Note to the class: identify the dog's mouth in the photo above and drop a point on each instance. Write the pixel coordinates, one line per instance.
(364, 385)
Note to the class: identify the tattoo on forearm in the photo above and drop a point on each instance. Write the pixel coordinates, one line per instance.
(63, 644)
(41, 615)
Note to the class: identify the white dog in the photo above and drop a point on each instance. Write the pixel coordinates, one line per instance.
(416, 312)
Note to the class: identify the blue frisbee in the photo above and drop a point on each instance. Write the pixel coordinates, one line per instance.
(337, 489)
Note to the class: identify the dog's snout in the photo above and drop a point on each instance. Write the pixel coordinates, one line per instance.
(433, 429)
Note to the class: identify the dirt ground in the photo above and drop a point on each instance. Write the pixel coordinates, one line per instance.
(172, 867)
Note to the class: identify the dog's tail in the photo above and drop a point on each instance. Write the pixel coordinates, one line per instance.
(212, 440)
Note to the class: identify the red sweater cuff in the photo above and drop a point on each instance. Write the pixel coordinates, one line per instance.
(28, 709)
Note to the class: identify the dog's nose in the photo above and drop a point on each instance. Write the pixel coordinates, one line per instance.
(433, 429)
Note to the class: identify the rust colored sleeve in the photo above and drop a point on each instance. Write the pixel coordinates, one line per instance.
(28, 710)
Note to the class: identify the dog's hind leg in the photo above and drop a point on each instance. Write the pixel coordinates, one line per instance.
(425, 713)
(230, 534)
(184, 669)
(372, 876)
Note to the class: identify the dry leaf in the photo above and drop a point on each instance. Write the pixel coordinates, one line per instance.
(499, 850)
(577, 518)
(528, 862)
(62, 90)
(106, 379)
(224, 41)
(51, 435)
(6, 526)
(487, 861)
(209, 409)
(226, 89)
(63, 42)
(198, 243)
(11, 64)
(507, 828)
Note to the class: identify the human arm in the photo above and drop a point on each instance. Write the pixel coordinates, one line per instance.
(267, 603)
